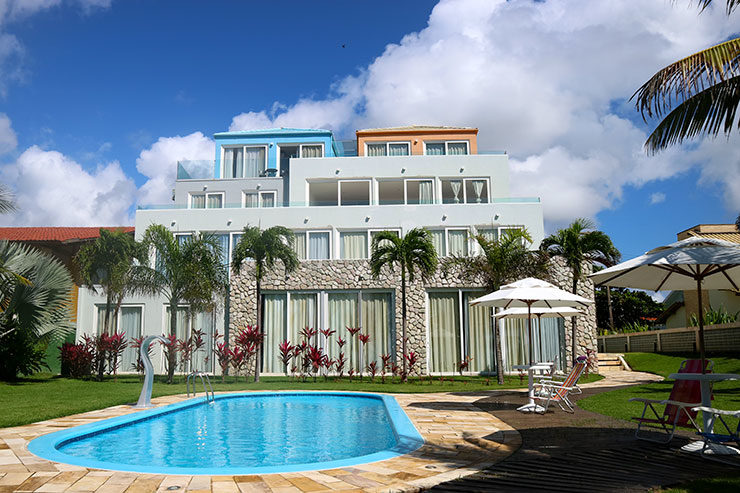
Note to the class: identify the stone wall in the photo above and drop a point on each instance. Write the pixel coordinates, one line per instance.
(355, 274)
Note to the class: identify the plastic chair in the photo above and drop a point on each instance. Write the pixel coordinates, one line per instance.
(557, 391)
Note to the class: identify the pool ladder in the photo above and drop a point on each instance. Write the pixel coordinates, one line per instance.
(203, 378)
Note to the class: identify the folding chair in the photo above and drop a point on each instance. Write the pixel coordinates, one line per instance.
(558, 391)
(678, 412)
(713, 436)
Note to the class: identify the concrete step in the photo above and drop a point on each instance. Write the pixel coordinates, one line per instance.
(610, 362)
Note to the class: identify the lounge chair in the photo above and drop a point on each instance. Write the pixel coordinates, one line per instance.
(678, 412)
(553, 390)
(714, 436)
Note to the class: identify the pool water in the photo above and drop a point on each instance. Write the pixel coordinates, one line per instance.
(241, 434)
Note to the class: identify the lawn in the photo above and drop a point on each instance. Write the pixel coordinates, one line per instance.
(615, 403)
(45, 396)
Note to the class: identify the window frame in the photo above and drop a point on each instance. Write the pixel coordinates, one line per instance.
(96, 315)
(243, 147)
(406, 189)
(447, 148)
(205, 195)
(465, 180)
(311, 144)
(355, 180)
(306, 232)
(387, 144)
(260, 201)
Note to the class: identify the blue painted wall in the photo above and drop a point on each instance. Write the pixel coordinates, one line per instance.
(272, 139)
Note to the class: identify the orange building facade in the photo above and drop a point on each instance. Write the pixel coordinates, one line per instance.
(417, 141)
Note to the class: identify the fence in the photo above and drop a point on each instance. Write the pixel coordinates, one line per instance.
(717, 338)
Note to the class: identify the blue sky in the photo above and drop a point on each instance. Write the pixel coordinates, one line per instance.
(100, 97)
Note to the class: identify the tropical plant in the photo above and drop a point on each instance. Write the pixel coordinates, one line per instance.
(189, 271)
(264, 248)
(7, 204)
(628, 307)
(715, 316)
(76, 360)
(698, 94)
(107, 264)
(415, 251)
(576, 244)
(503, 259)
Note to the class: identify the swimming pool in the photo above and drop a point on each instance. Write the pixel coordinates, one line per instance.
(253, 433)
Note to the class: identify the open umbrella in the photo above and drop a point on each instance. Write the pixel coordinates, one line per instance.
(531, 293)
(539, 313)
(694, 263)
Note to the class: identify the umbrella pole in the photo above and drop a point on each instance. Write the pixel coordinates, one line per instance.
(701, 326)
(539, 331)
(529, 331)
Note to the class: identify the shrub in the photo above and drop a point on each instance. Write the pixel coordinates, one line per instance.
(76, 359)
(21, 353)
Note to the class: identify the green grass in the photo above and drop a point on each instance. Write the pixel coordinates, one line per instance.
(615, 403)
(714, 485)
(45, 396)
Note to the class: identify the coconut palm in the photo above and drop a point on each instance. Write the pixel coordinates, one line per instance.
(577, 243)
(704, 87)
(264, 248)
(106, 265)
(36, 308)
(189, 271)
(414, 251)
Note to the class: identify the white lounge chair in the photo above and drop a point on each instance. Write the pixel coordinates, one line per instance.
(552, 390)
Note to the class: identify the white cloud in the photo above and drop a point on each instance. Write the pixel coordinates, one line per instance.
(159, 164)
(657, 198)
(53, 190)
(8, 139)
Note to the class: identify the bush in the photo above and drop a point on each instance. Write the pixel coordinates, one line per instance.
(21, 353)
(77, 360)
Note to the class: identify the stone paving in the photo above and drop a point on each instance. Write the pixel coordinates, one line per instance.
(460, 439)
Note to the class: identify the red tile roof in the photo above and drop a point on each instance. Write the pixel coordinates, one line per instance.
(61, 234)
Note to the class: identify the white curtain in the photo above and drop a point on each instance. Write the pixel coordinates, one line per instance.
(376, 322)
(456, 187)
(438, 240)
(515, 342)
(268, 200)
(311, 151)
(488, 233)
(251, 200)
(215, 201)
(203, 358)
(437, 149)
(343, 314)
(299, 245)
(254, 162)
(551, 339)
(318, 246)
(233, 162)
(426, 192)
(303, 313)
(354, 245)
(478, 189)
(101, 320)
(198, 201)
(234, 241)
(182, 323)
(444, 332)
(131, 326)
(275, 332)
(376, 150)
(480, 342)
(458, 242)
(457, 148)
(399, 149)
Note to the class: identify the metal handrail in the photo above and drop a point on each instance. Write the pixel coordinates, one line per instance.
(203, 379)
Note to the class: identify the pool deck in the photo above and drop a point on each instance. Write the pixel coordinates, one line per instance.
(460, 439)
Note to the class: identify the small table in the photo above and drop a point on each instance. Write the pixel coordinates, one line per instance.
(532, 406)
(706, 400)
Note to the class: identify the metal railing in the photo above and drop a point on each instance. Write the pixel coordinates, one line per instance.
(203, 378)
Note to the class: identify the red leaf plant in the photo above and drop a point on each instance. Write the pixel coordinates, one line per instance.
(385, 365)
(76, 359)
(339, 364)
(341, 342)
(307, 333)
(411, 359)
(117, 344)
(316, 357)
(464, 365)
(223, 358)
(364, 338)
(186, 352)
(170, 349)
(328, 363)
(351, 373)
(372, 368)
(238, 360)
(286, 353)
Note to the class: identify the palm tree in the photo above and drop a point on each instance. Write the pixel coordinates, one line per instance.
(705, 88)
(413, 251)
(184, 271)
(108, 263)
(264, 248)
(6, 200)
(577, 243)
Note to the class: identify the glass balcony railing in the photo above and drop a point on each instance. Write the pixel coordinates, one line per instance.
(195, 170)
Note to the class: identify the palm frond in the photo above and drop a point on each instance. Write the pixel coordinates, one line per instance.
(683, 79)
(731, 5)
(7, 204)
(708, 112)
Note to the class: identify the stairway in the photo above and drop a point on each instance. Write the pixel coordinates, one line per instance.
(610, 362)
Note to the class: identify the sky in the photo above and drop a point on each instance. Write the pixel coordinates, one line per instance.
(99, 98)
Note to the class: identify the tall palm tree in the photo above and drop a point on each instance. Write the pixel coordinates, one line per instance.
(264, 248)
(504, 259)
(414, 251)
(107, 263)
(704, 87)
(184, 271)
(577, 243)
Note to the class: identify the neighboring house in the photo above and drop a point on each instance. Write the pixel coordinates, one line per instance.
(681, 305)
(62, 243)
(336, 196)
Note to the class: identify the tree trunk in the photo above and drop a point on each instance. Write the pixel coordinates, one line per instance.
(405, 376)
(106, 317)
(609, 304)
(499, 352)
(258, 349)
(172, 356)
(573, 343)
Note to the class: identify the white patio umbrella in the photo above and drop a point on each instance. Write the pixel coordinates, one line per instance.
(531, 293)
(694, 263)
(539, 313)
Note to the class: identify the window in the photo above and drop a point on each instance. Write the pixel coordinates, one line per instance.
(467, 190)
(204, 323)
(452, 148)
(374, 233)
(312, 245)
(244, 161)
(259, 199)
(207, 200)
(129, 322)
(410, 191)
(353, 245)
(451, 241)
(419, 191)
(388, 149)
(285, 314)
(548, 338)
(323, 193)
(458, 331)
(312, 150)
(390, 192)
(354, 192)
